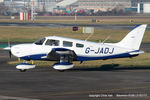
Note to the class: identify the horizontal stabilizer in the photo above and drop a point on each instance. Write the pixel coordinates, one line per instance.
(136, 52)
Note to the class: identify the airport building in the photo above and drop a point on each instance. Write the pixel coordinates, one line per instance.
(143, 6)
(65, 3)
(104, 5)
(39, 5)
(1, 1)
(15, 5)
(140, 6)
(137, 6)
(45, 5)
(66, 6)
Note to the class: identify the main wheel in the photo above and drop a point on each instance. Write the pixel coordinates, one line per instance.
(22, 70)
(61, 70)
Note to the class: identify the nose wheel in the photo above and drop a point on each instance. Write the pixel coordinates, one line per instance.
(23, 67)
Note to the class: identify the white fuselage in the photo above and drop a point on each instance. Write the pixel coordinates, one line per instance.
(67, 50)
(84, 50)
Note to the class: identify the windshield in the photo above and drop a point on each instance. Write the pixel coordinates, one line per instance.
(40, 42)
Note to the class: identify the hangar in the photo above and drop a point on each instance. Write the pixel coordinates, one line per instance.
(143, 7)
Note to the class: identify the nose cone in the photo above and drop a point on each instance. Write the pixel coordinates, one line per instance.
(21, 50)
(15, 50)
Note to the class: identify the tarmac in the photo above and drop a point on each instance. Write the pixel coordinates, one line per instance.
(45, 83)
(102, 26)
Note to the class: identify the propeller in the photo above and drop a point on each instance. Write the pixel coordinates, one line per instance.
(10, 54)
(9, 45)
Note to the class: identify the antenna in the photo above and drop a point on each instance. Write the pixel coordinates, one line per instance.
(9, 43)
(106, 39)
(88, 37)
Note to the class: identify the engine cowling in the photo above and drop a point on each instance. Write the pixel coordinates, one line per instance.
(63, 66)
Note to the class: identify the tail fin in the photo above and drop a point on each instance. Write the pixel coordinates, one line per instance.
(134, 38)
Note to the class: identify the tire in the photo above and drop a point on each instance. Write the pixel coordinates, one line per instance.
(22, 70)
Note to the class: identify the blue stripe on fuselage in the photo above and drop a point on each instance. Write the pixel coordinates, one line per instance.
(34, 57)
(81, 58)
(122, 55)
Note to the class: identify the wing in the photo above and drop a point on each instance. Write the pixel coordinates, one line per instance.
(62, 55)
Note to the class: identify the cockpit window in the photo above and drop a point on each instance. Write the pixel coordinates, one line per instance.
(40, 42)
(51, 42)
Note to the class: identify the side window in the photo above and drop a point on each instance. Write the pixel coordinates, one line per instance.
(79, 45)
(67, 44)
(51, 42)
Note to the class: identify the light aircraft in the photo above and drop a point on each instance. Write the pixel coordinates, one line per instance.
(66, 50)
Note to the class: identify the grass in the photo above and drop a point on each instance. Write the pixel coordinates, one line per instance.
(83, 19)
(30, 34)
(141, 61)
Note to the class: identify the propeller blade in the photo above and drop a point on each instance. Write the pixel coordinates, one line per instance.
(10, 54)
(9, 45)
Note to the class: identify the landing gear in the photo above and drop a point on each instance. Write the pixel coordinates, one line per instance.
(64, 63)
(24, 66)
(62, 66)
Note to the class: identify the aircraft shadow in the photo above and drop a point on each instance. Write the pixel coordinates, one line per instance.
(110, 67)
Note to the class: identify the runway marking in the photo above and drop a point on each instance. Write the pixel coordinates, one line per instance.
(15, 98)
(89, 92)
